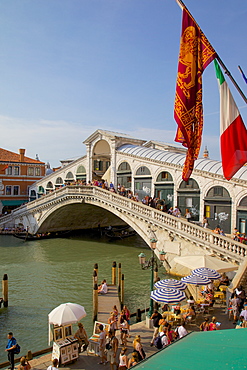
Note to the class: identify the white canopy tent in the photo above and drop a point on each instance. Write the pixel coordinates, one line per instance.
(194, 262)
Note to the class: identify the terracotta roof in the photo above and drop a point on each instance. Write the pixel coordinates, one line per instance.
(7, 156)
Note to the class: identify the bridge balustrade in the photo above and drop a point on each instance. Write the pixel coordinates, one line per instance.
(221, 245)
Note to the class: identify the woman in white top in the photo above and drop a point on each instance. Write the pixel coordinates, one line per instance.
(124, 330)
(123, 360)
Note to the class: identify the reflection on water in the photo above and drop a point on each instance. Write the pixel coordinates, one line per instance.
(43, 274)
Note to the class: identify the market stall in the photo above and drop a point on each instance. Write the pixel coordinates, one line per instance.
(65, 345)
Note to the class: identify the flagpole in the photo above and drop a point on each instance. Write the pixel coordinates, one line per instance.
(227, 72)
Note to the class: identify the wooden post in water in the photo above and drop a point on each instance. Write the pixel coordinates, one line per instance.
(119, 278)
(5, 290)
(95, 302)
(95, 278)
(114, 273)
(122, 292)
(138, 315)
(96, 267)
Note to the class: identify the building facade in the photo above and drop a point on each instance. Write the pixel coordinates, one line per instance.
(17, 174)
(155, 169)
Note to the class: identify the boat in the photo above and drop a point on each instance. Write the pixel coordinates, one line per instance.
(27, 236)
(116, 235)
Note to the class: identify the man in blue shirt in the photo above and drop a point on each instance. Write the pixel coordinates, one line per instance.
(10, 348)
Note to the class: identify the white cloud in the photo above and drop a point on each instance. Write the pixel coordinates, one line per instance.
(56, 140)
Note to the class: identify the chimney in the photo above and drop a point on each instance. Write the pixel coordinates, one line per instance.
(22, 154)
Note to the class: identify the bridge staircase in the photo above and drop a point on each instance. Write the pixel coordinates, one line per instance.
(139, 216)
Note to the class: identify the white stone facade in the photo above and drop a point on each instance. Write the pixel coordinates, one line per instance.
(106, 151)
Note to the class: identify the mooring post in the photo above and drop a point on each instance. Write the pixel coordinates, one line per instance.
(95, 278)
(5, 290)
(96, 267)
(95, 302)
(119, 278)
(122, 292)
(138, 315)
(114, 273)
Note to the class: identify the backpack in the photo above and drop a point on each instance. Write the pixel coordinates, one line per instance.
(17, 349)
(158, 342)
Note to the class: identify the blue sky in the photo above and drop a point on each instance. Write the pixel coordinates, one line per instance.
(69, 67)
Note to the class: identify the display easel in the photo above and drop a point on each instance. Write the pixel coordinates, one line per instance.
(65, 345)
(93, 346)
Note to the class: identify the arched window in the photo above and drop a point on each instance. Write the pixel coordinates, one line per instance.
(59, 181)
(124, 166)
(41, 191)
(188, 197)
(190, 184)
(143, 171)
(33, 195)
(81, 170)
(164, 176)
(124, 175)
(81, 173)
(69, 176)
(217, 208)
(218, 192)
(49, 185)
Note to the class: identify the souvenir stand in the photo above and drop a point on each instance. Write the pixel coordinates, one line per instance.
(93, 346)
(65, 345)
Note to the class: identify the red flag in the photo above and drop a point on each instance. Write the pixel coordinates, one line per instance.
(195, 55)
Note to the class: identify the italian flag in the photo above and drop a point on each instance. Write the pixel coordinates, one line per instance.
(233, 134)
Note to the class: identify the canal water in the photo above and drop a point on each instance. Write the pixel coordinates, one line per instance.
(43, 274)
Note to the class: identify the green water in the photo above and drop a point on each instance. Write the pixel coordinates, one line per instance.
(43, 274)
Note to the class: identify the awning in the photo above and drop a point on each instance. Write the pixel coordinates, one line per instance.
(225, 348)
(13, 202)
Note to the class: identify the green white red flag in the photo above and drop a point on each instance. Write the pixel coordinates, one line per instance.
(233, 134)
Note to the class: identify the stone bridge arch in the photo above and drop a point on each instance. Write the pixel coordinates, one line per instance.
(68, 211)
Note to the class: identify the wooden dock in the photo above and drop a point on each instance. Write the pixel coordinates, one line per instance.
(106, 303)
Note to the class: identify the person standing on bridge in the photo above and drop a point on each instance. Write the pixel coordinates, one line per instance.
(112, 347)
(102, 343)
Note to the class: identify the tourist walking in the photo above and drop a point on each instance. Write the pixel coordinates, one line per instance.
(138, 348)
(10, 348)
(205, 325)
(24, 364)
(54, 364)
(102, 343)
(123, 330)
(187, 215)
(181, 331)
(123, 360)
(235, 303)
(156, 317)
(213, 325)
(111, 349)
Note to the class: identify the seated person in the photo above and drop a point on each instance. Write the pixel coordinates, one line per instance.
(189, 314)
(177, 309)
(191, 301)
(82, 337)
(103, 289)
(224, 280)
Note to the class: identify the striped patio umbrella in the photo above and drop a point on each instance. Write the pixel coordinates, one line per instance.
(196, 280)
(167, 295)
(170, 283)
(206, 272)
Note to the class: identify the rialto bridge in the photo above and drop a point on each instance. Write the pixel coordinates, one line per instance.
(147, 168)
(154, 168)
